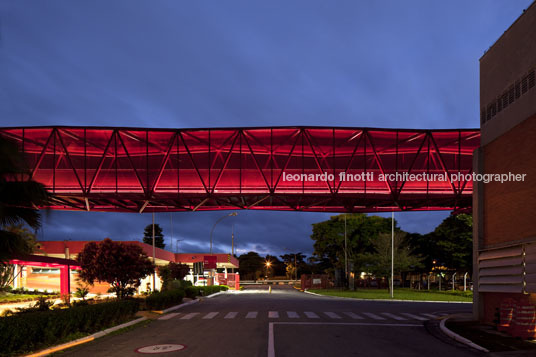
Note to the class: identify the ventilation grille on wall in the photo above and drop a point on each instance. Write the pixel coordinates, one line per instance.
(508, 270)
(514, 92)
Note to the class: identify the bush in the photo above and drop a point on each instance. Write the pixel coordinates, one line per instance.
(36, 330)
(179, 284)
(158, 301)
(193, 291)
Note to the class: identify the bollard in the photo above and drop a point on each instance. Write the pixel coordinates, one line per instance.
(270, 289)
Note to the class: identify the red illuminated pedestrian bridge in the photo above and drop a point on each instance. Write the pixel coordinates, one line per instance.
(281, 168)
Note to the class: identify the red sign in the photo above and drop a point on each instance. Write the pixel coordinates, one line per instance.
(209, 261)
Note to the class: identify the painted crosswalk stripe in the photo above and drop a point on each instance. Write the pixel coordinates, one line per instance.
(311, 315)
(273, 314)
(189, 316)
(231, 315)
(430, 315)
(169, 316)
(210, 315)
(293, 315)
(414, 316)
(332, 315)
(393, 316)
(373, 316)
(251, 315)
(354, 316)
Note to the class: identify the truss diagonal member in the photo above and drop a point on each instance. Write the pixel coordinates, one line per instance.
(256, 162)
(236, 136)
(42, 155)
(200, 204)
(193, 163)
(317, 162)
(258, 202)
(443, 166)
(288, 160)
(358, 142)
(380, 165)
(101, 162)
(413, 162)
(163, 165)
(132, 164)
(82, 188)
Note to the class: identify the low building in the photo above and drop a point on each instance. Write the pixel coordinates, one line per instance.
(47, 278)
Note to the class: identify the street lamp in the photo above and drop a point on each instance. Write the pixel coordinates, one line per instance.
(268, 265)
(232, 214)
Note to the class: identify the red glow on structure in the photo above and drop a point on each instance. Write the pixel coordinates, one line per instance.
(133, 170)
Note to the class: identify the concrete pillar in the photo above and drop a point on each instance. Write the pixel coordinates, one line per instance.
(65, 283)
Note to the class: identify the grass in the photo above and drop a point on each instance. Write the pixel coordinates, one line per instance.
(399, 294)
(12, 298)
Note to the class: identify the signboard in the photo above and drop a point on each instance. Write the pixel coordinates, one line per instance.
(160, 348)
(317, 281)
(209, 261)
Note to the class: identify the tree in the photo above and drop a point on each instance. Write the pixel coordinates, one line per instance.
(292, 260)
(119, 264)
(172, 271)
(277, 267)
(361, 230)
(19, 198)
(251, 265)
(158, 236)
(378, 262)
(454, 238)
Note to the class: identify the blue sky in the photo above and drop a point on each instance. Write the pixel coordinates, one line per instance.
(183, 64)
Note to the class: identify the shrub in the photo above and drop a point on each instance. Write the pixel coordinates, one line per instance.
(35, 330)
(158, 301)
(179, 284)
(193, 291)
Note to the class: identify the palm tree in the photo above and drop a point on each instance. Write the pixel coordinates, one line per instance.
(19, 198)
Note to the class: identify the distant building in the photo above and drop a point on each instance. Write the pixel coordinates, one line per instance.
(505, 213)
(48, 278)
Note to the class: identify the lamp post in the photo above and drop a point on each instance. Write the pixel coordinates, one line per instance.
(268, 265)
(232, 214)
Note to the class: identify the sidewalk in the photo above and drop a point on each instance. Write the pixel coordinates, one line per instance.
(498, 343)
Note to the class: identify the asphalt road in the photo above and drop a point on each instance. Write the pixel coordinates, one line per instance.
(287, 323)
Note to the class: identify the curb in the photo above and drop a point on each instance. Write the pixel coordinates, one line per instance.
(176, 307)
(216, 294)
(389, 300)
(459, 338)
(85, 339)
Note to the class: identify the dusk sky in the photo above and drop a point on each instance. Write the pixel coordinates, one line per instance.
(196, 64)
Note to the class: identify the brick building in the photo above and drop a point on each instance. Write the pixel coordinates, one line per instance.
(505, 213)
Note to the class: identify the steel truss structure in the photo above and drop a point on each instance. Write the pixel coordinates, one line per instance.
(136, 170)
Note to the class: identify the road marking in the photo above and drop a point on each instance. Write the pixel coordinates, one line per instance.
(293, 315)
(271, 342)
(231, 315)
(169, 316)
(210, 315)
(354, 316)
(311, 315)
(251, 315)
(414, 316)
(273, 314)
(189, 316)
(332, 315)
(393, 316)
(373, 316)
(431, 316)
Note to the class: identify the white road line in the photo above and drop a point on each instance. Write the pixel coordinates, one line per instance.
(231, 315)
(251, 315)
(271, 344)
(373, 316)
(189, 316)
(430, 315)
(354, 316)
(210, 315)
(293, 315)
(415, 317)
(393, 316)
(311, 315)
(273, 314)
(332, 315)
(169, 316)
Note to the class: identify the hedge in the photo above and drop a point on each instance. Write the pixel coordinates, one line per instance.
(33, 331)
(193, 291)
(157, 301)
